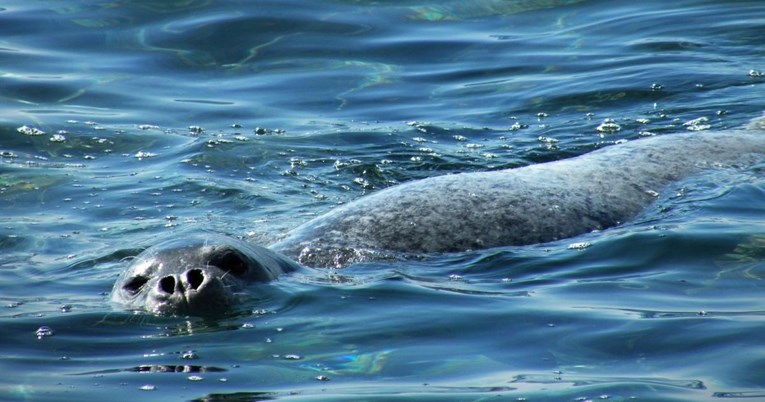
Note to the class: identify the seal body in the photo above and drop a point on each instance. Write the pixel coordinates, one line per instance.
(532, 204)
(203, 274)
(199, 275)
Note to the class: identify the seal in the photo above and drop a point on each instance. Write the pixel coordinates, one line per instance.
(532, 204)
(201, 275)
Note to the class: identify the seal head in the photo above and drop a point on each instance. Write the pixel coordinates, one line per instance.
(201, 275)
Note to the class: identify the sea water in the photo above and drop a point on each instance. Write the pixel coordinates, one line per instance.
(126, 122)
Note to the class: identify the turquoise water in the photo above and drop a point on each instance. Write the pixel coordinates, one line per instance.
(148, 119)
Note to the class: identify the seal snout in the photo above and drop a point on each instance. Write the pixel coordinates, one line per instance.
(198, 290)
(192, 280)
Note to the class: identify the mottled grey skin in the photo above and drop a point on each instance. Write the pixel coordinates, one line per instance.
(200, 275)
(532, 204)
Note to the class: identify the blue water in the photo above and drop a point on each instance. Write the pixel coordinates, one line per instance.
(148, 119)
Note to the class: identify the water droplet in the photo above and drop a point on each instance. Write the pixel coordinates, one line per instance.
(608, 126)
(144, 155)
(546, 140)
(518, 126)
(26, 130)
(43, 332)
(579, 246)
(57, 138)
(189, 355)
(697, 124)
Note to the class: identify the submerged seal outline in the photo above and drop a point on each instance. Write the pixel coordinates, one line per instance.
(466, 211)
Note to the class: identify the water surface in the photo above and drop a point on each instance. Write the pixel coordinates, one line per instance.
(125, 122)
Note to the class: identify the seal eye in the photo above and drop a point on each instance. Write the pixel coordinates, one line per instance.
(230, 261)
(135, 284)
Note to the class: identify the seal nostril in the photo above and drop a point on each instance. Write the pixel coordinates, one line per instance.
(167, 284)
(195, 278)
